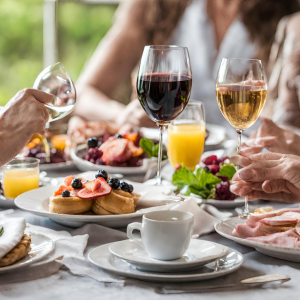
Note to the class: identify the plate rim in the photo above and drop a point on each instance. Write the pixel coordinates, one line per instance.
(149, 276)
(167, 263)
(255, 244)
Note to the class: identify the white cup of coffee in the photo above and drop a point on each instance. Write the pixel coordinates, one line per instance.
(166, 235)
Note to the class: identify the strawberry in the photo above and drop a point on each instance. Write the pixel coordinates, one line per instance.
(61, 189)
(94, 189)
(68, 180)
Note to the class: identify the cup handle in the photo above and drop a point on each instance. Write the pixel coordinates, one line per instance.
(130, 228)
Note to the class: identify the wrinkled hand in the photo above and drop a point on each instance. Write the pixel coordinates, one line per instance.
(269, 176)
(23, 116)
(135, 115)
(273, 138)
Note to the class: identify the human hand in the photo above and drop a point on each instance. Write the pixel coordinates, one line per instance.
(273, 138)
(23, 116)
(135, 115)
(269, 176)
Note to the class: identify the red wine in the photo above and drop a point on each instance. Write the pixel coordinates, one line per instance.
(164, 96)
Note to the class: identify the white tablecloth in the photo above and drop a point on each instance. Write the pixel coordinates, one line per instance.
(64, 285)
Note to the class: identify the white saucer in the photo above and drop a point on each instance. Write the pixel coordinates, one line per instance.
(198, 254)
(40, 247)
(102, 258)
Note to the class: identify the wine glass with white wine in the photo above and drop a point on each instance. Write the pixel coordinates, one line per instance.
(241, 90)
(56, 81)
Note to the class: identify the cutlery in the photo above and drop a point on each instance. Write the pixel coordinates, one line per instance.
(245, 283)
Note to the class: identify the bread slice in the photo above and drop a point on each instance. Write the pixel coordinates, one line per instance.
(69, 205)
(18, 252)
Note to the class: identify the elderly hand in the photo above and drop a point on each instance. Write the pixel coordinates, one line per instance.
(273, 138)
(270, 176)
(23, 116)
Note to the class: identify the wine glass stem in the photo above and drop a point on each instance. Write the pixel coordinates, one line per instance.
(239, 142)
(160, 150)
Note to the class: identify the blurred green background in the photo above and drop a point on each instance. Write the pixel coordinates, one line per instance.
(81, 27)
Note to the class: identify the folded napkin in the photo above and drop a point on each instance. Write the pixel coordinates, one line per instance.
(69, 252)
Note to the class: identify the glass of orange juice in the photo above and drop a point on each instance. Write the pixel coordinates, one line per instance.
(20, 175)
(186, 136)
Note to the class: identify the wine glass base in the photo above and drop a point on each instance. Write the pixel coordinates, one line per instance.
(155, 182)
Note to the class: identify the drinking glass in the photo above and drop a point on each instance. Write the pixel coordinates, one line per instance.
(186, 136)
(241, 90)
(164, 85)
(56, 81)
(20, 175)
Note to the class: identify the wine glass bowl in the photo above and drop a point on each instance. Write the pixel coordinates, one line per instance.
(241, 91)
(164, 84)
(56, 81)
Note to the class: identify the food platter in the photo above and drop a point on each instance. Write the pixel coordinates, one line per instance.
(78, 153)
(37, 202)
(226, 227)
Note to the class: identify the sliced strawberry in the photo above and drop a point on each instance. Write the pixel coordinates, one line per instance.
(94, 189)
(132, 136)
(68, 180)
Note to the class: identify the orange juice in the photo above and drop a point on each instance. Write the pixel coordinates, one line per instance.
(18, 181)
(186, 143)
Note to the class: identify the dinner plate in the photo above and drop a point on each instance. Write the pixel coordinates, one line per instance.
(199, 253)
(226, 227)
(37, 202)
(217, 134)
(40, 247)
(78, 153)
(103, 258)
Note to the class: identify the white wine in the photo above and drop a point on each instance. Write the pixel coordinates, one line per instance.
(241, 105)
(58, 112)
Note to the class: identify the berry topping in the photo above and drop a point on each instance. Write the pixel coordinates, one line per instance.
(118, 136)
(214, 169)
(68, 180)
(114, 183)
(76, 183)
(92, 142)
(66, 193)
(130, 188)
(95, 189)
(206, 169)
(124, 186)
(102, 173)
(223, 192)
(211, 160)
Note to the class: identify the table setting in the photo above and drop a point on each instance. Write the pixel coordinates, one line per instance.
(101, 224)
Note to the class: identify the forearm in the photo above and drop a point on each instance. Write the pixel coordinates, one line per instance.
(92, 105)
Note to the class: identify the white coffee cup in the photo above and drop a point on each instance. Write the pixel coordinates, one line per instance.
(166, 235)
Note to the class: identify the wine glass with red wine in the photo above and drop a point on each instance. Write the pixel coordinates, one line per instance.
(164, 86)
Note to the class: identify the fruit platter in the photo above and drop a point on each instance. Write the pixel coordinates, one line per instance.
(210, 182)
(51, 154)
(129, 153)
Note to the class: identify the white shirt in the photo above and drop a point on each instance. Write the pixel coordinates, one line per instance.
(196, 31)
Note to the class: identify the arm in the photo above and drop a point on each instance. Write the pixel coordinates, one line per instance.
(116, 56)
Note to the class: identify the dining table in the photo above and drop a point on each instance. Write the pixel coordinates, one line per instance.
(62, 284)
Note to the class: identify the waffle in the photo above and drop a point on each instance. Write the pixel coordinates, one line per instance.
(69, 205)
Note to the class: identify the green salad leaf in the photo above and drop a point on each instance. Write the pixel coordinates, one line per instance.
(227, 171)
(1, 230)
(150, 148)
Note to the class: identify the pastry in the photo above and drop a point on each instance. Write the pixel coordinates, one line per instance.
(102, 196)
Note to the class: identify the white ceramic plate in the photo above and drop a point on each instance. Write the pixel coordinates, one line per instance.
(198, 254)
(225, 229)
(78, 153)
(217, 134)
(40, 247)
(55, 166)
(102, 258)
(37, 202)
